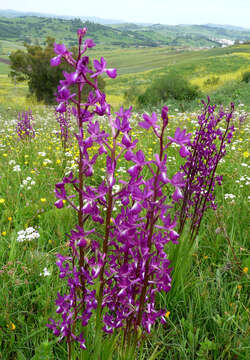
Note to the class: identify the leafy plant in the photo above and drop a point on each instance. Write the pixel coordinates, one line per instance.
(171, 86)
(246, 77)
(214, 80)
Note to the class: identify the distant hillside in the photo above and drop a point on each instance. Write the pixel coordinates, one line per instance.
(14, 13)
(35, 30)
(202, 34)
(230, 27)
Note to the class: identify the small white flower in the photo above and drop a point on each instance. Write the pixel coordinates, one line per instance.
(45, 272)
(68, 154)
(17, 168)
(229, 196)
(27, 235)
(12, 162)
(29, 230)
(47, 161)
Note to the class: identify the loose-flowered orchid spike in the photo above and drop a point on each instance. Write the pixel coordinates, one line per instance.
(203, 156)
(24, 127)
(116, 269)
(64, 122)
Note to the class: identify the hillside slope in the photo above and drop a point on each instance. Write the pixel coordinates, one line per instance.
(34, 29)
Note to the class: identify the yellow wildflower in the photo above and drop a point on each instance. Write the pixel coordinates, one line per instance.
(167, 314)
(4, 233)
(10, 218)
(245, 270)
(58, 161)
(43, 200)
(245, 154)
(2, 201)
(11, 326)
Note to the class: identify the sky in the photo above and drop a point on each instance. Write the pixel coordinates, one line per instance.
(172, 12)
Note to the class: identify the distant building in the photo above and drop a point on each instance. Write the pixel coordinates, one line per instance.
(224, 42)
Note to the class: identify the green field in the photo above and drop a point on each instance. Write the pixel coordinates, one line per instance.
(137, 68)
(208, 307)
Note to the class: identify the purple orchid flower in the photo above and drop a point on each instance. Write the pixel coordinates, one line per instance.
(149, 121)
(101, 68)
(61, 50)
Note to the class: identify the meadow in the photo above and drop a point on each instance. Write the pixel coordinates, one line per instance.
(138, 67)
(208, 306)
(207, 313)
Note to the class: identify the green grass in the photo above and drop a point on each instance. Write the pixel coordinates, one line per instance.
(208, 304)
(4, 69)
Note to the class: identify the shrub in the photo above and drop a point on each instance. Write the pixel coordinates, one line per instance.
(246, 76)
(172, 86)
(214, 80)
(235, 90)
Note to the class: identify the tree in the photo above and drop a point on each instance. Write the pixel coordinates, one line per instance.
(33, 66)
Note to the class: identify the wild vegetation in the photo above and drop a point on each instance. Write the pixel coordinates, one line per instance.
(35, 29)
(206, 312)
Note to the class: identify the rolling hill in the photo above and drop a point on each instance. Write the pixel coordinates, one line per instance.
(35, 29)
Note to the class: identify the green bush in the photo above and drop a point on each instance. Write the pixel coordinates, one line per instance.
(172, 86)
(232, 91)
(246, 76)
(214, 80)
